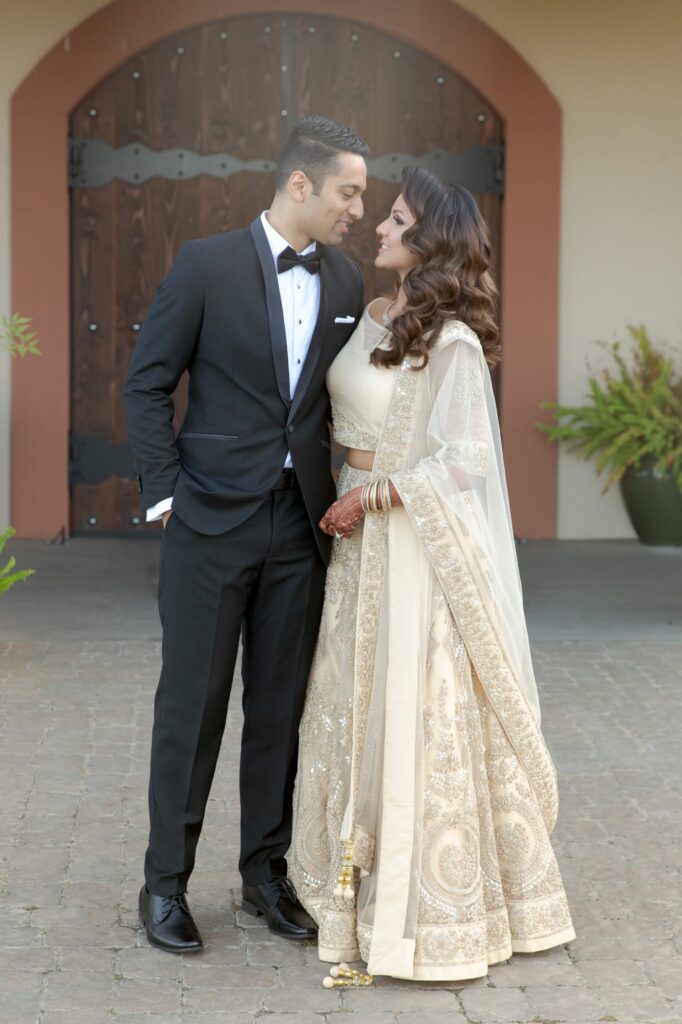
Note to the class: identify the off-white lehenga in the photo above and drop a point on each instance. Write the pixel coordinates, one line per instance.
(420, 739)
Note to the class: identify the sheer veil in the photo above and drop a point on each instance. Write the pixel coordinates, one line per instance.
(464, 466)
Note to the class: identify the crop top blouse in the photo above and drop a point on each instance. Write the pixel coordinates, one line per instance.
(359, 391)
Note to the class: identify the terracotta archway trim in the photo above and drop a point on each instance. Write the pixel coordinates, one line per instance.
(40, 227)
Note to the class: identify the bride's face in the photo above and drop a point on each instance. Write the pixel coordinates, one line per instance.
(392, 253)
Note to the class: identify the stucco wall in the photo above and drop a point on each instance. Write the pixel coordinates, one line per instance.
(28, 29)
(614, 67)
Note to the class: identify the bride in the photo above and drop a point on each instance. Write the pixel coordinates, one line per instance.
(425, 794)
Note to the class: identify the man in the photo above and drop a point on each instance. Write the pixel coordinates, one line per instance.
(256, 316)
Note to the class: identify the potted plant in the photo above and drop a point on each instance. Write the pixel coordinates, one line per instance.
(632, 423)
(7, 577)
(17, 338)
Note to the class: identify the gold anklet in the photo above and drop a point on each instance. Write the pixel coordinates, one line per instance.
(344, 883)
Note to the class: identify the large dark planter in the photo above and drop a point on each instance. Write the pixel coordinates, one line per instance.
(654, 503)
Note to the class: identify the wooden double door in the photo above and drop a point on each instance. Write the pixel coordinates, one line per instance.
(181, 142)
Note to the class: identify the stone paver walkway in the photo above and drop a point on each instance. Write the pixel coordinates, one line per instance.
(73, 762)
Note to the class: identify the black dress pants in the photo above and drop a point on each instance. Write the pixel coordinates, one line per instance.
(264, 578)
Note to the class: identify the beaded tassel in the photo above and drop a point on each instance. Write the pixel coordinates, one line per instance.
(344, 976)
(344, 883)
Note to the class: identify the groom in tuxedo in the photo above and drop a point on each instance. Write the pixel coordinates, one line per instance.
(256, 316)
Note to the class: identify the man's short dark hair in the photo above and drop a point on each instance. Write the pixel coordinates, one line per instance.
(313, 146)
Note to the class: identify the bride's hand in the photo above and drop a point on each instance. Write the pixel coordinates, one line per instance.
(344, 515)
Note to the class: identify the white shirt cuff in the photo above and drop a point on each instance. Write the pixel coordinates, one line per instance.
(156, 511)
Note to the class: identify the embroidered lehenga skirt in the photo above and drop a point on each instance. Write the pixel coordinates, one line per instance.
(454, 869)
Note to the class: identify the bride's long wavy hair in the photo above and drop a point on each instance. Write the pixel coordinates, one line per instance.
(451, 279)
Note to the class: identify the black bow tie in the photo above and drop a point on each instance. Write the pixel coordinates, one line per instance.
(288, 259)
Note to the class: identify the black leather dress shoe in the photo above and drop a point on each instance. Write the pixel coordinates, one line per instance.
(168, 922)
(280, 906)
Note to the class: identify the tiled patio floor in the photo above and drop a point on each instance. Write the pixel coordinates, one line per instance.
(76, 711)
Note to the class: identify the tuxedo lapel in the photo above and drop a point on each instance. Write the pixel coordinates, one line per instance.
(317, 339)
(278, 336)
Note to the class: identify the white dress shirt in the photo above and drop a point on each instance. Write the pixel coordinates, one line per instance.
(299, 291)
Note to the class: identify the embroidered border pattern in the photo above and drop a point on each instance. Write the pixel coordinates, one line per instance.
(478, 630)
(395, 436)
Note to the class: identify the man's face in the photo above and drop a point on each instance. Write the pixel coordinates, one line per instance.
(329, 214)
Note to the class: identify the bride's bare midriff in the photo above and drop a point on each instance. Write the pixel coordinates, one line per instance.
(359, 459)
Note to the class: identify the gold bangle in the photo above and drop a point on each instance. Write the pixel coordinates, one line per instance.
(375, 496)
(380, 496)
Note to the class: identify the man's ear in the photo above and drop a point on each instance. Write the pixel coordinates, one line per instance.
(298, 186)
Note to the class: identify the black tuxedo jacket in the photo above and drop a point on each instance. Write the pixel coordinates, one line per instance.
(218, 314)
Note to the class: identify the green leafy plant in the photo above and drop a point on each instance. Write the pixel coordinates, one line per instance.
(631, 413)
(16, 336)
(7, 577)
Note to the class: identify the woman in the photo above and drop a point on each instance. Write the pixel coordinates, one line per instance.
(425, 793)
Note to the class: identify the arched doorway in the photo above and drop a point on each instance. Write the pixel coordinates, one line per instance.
(181, 142)
(41, 109)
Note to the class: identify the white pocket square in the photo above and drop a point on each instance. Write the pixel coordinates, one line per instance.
(344, 320)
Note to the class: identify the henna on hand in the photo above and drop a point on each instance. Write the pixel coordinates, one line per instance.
(344, 515)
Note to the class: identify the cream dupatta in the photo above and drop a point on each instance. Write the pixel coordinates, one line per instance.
(433, 592)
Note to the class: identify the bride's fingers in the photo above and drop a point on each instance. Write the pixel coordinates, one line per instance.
(334, 525)
(341, 517)
(346, 527)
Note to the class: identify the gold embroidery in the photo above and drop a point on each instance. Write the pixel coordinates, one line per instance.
(456, 572)
(349, 434)
(472, 457)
